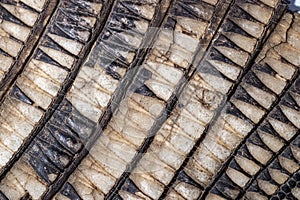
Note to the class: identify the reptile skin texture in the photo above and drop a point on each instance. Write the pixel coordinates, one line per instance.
(149, 99)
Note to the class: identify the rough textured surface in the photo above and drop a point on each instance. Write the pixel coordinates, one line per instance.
(149, 99)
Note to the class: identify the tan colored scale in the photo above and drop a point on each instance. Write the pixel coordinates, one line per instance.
(20, 180)
(27, 16)
(36, 4)
(60, 57)
(5, 64)
(296, 192)
(174, 195)
(184, 190)
(44, 86)
(13, 35)
(18, 119)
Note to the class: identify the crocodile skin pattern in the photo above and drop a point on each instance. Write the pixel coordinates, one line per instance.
(149, 99)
